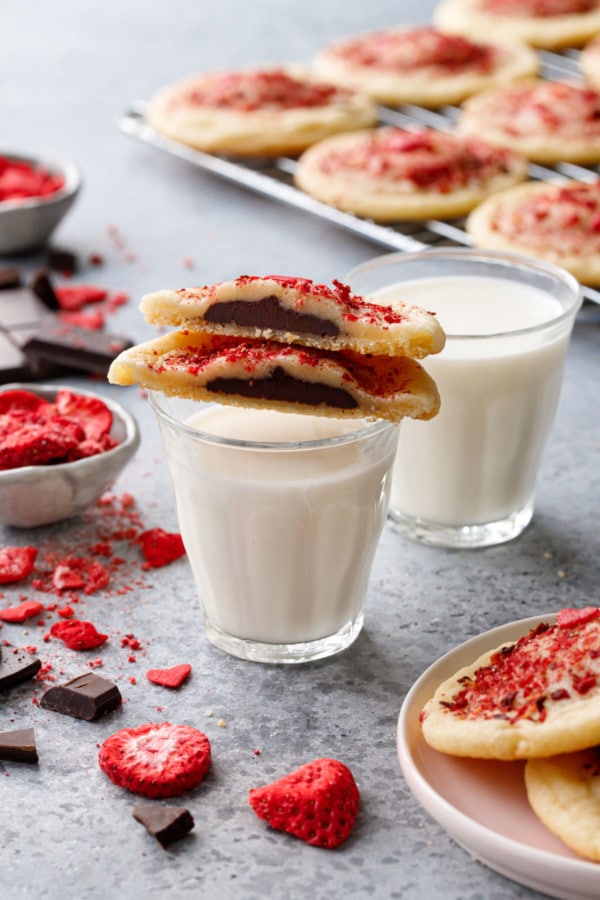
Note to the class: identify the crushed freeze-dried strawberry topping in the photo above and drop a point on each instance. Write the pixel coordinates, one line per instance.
(429, 159)
(550, 664)
(417, 48)
(564, 218)
(538, 8)
(258, 90)
(20, 180)
(555, 108)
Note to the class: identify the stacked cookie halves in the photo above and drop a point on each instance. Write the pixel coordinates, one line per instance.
(288, 344)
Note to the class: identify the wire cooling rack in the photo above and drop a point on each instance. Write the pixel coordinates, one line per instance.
(275, 177)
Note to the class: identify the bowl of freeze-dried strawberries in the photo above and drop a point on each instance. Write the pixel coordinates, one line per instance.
(60, 449)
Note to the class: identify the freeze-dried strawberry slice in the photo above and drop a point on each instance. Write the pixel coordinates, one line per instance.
(21, 400)
(35, 445)
(317, 803)
(16, 563)
(91, 413)
(22, 612)
(160, 547)
(67, 578)
(569, 617)
(157, 759)
(73, 297)
(171, 678)
(78, 635)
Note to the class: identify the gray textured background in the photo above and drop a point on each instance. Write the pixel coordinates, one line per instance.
(67, 70)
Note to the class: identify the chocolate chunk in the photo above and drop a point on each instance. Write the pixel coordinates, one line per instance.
(42, 287)
(18, 745)
(69, 346)
(18, 668)
(268, 313)
(9, 278)
(281, 386)
(61, 260)
(166, 823)
(85, 697)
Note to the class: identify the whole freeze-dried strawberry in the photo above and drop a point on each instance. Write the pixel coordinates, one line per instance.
(16, 563)
(317, 803)
(78, 635)
(157, 759)
(171, 678)
(22, 612)
(160, 547)
(91, 413)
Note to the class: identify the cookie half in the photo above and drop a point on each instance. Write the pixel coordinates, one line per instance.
(391, 174)
(278, 376)
(564, 792)
(296, 310)
(422, 65)
(259, 112)
(537, 697)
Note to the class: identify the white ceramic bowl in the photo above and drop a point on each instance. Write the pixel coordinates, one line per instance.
(38, 495)
(27, 224)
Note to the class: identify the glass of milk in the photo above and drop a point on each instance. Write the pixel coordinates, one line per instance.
(467, 478)
(280, 515)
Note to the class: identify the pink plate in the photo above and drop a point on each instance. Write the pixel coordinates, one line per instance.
(482, 804)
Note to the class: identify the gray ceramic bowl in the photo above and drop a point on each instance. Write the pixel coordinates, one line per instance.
(39, 495)
(27, 224)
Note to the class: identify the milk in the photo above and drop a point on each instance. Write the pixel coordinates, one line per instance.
(280, 515)
(477, 461)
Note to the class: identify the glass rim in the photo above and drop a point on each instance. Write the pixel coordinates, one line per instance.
(506, 260)
(372, 428)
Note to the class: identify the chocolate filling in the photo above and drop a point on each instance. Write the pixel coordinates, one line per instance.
(268, 313)
(281, 386)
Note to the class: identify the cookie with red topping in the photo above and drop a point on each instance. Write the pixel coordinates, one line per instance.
(550, 24)
(546, 121)
(259, 373)
(297, 310)
(259, 112)
(422, 65)
(392, 174)
(589, 62)
(557, 222)
(564, 793)
(537, 697)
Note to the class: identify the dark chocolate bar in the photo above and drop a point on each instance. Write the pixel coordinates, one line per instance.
(17, 668)
(166, 823)
(35, 343)
(85, 697)
(71, 347)
(43, 288)
(18, 745)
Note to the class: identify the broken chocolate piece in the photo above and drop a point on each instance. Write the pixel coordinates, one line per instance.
(20, 667)
(18, 745)
(69, 346)
(42, 288)
(9, 278)
(85, 697)
(166, 823)
(61, 260)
